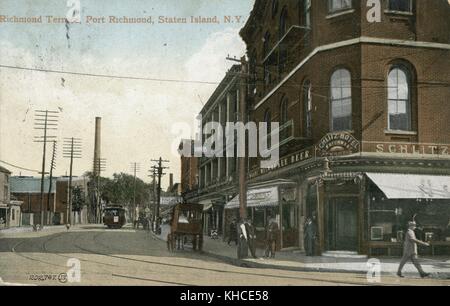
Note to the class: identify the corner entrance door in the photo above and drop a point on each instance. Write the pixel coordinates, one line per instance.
(343, 232)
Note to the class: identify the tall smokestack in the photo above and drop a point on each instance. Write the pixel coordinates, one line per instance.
(97, 148)
(170, 181)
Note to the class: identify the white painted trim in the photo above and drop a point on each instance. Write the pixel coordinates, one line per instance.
(350, 42)
(401, 13)
(408, 43)
(340, 13)
(399, 132)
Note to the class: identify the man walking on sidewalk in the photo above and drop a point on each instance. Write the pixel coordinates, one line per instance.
(242, 249)
(410, 251)
(251, 237)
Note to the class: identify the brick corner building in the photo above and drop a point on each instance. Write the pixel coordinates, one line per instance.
(364, 120)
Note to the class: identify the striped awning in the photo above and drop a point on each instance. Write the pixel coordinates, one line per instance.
(409, 186)
(266, 197)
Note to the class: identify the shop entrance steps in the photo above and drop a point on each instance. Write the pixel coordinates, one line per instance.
(344, 254)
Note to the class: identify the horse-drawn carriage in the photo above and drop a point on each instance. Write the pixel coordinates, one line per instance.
(186, 223)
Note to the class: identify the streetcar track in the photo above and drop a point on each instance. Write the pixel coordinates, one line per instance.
(13, 250)
(211, 269)
(152, 280)
(81, 259)
(95, 238)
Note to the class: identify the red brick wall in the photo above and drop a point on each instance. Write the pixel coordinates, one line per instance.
(368, 63)
(32, 202)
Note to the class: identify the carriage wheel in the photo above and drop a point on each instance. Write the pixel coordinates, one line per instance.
(194, 243)
(200, 243)
(169, 243)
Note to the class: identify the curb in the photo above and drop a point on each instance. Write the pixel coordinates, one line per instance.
(250, 264)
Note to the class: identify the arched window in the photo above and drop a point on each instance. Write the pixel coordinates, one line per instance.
(268, 121)
(253, 74)
(341, 101)
(266, 50)
(282, 30)
(307, 109)
(283, 25)
(284, 111)
(274, 8)
(266, 44)
(284, 130)
(399, 99)
(305, 12)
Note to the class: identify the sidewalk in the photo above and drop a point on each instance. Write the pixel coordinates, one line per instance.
(297, 261)
(26, 229)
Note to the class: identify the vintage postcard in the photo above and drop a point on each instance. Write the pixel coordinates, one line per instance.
(220, 143)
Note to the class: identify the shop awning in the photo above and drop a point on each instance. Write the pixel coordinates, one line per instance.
(409, 186)
(207, 204)
(267, 197)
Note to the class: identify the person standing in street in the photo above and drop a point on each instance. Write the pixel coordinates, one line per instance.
(242, 249)
(410, 251)
(251, 239)
(233, 235)
(271, 238)
(310, 237)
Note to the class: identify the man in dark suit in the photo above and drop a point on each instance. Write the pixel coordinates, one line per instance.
(310, 237)
(410, 250)
(242, 250)
(251, 237)
(272, 232)
(233, 235)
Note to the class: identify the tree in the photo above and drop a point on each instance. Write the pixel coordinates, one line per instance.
(77, 199)
(120, 189)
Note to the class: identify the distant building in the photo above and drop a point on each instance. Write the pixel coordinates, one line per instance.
(79, 214)
(28, 190)
(10, 213)
(217, 176)
(189, 171)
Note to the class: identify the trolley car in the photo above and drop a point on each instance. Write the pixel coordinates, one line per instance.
(114, 217)
(186, 223)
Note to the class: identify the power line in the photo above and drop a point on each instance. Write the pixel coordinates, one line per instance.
(18, 167)
(109, 76)
(257, 82)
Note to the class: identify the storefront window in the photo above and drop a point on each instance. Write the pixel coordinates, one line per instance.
(258, 218)
(289, 216)
(388, 218)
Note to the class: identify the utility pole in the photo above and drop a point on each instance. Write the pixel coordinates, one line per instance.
(71, 149)
(52, 167)
(99, 167)
(135, 167)
(154, 171)
(242, 160)
(44, 120)
(160, 173)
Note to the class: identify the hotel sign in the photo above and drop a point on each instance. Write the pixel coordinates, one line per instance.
(338, 144)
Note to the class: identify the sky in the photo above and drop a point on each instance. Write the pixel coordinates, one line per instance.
(138, 116)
